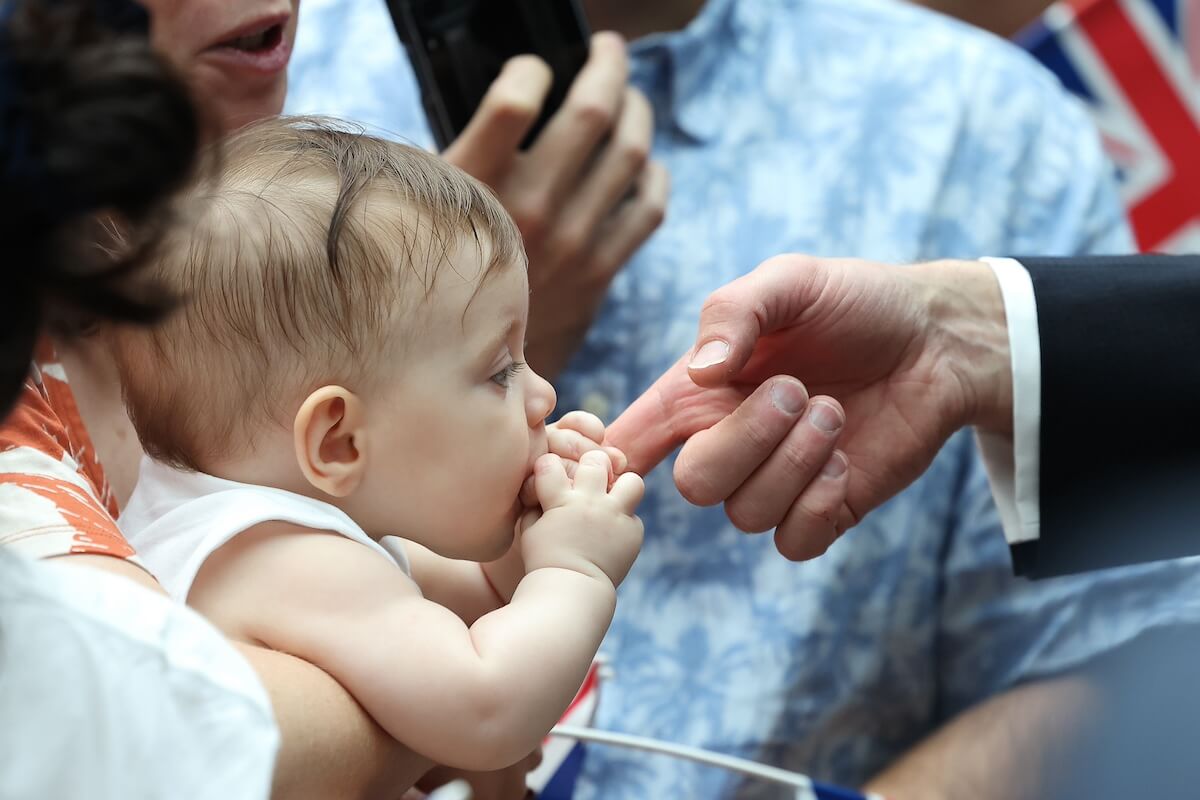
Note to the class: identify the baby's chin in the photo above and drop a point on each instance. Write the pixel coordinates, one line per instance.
(499, 539)
(500, 543)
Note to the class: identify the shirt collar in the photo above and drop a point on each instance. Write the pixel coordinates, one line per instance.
(687, 72)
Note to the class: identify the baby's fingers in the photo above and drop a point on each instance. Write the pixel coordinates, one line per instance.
(592, 474)
(569, 444)
(551, 481)
(628, 491)
(582, 422)
(618, 459)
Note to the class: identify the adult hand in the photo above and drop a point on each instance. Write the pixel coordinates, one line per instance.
(584, 195)
(894, 359)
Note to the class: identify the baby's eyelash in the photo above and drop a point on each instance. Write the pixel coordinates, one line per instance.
(504, 376)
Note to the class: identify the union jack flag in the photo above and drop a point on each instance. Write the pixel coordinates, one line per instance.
(1137, 65)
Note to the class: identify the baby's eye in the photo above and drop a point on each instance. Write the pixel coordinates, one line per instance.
(505, 376)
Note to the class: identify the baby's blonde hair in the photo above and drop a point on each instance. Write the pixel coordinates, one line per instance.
(292, 271)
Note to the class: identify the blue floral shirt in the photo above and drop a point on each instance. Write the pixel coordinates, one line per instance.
(834, 127)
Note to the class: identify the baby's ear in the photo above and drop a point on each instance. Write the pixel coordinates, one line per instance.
(330, 439)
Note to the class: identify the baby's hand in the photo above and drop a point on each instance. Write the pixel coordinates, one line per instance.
(584, 526)
(575, 434)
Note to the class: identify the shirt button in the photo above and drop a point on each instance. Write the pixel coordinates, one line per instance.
(598, 404)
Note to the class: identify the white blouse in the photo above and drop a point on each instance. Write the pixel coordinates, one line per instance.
(109, 691)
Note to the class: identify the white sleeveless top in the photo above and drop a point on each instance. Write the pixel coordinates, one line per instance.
(176, 520)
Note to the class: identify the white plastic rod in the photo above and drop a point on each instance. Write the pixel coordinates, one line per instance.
(801, 783)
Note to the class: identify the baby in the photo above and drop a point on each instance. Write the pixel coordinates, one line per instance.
(346, 368)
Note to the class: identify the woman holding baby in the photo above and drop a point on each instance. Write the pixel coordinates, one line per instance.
(68, 453)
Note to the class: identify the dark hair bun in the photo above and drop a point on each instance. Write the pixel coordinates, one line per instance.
(92, 122)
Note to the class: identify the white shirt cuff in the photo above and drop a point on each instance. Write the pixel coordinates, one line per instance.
(1013, 465)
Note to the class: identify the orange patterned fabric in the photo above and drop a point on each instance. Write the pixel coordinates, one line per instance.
(54, 498)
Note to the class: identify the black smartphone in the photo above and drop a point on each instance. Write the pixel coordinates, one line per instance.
(457, 48)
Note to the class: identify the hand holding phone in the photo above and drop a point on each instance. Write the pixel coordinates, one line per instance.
(458, 48)
(582, 191)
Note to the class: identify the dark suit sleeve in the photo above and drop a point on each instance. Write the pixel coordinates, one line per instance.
(1119, 477)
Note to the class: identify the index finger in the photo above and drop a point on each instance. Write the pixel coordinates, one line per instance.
(646, 432)
(592, 106)
(583, 422)
(506, 113)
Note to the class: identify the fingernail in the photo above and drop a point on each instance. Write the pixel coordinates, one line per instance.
(788, 397)
(825, 418)
(711, 354)
(835, 467)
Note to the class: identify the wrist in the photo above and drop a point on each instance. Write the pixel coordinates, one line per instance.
(571, 563)
(589, 588)
(969, 334)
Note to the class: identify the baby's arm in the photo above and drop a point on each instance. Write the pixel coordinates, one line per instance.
(475, 698)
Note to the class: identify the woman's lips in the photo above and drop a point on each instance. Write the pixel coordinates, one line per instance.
(260, 47)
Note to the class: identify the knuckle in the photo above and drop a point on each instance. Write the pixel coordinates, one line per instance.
(600, 269)
(818, 510)
(652, 211)
(591, 114)
(720, 302)
(746, 517)
(759, 436)
(694, 484)
(797, 463)
(633, 154)
(590, 454)
(532, 216)
(571, 242)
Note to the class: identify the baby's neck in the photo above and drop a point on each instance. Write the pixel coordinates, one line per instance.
(268, 463)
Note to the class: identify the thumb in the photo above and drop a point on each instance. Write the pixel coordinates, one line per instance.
(729, 329)
(736, 315)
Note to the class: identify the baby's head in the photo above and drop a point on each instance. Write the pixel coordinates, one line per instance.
(352, 328)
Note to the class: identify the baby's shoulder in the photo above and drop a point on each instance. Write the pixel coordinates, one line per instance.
(280, 569)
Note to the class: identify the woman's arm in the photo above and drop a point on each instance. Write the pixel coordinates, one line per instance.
(331, 748)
